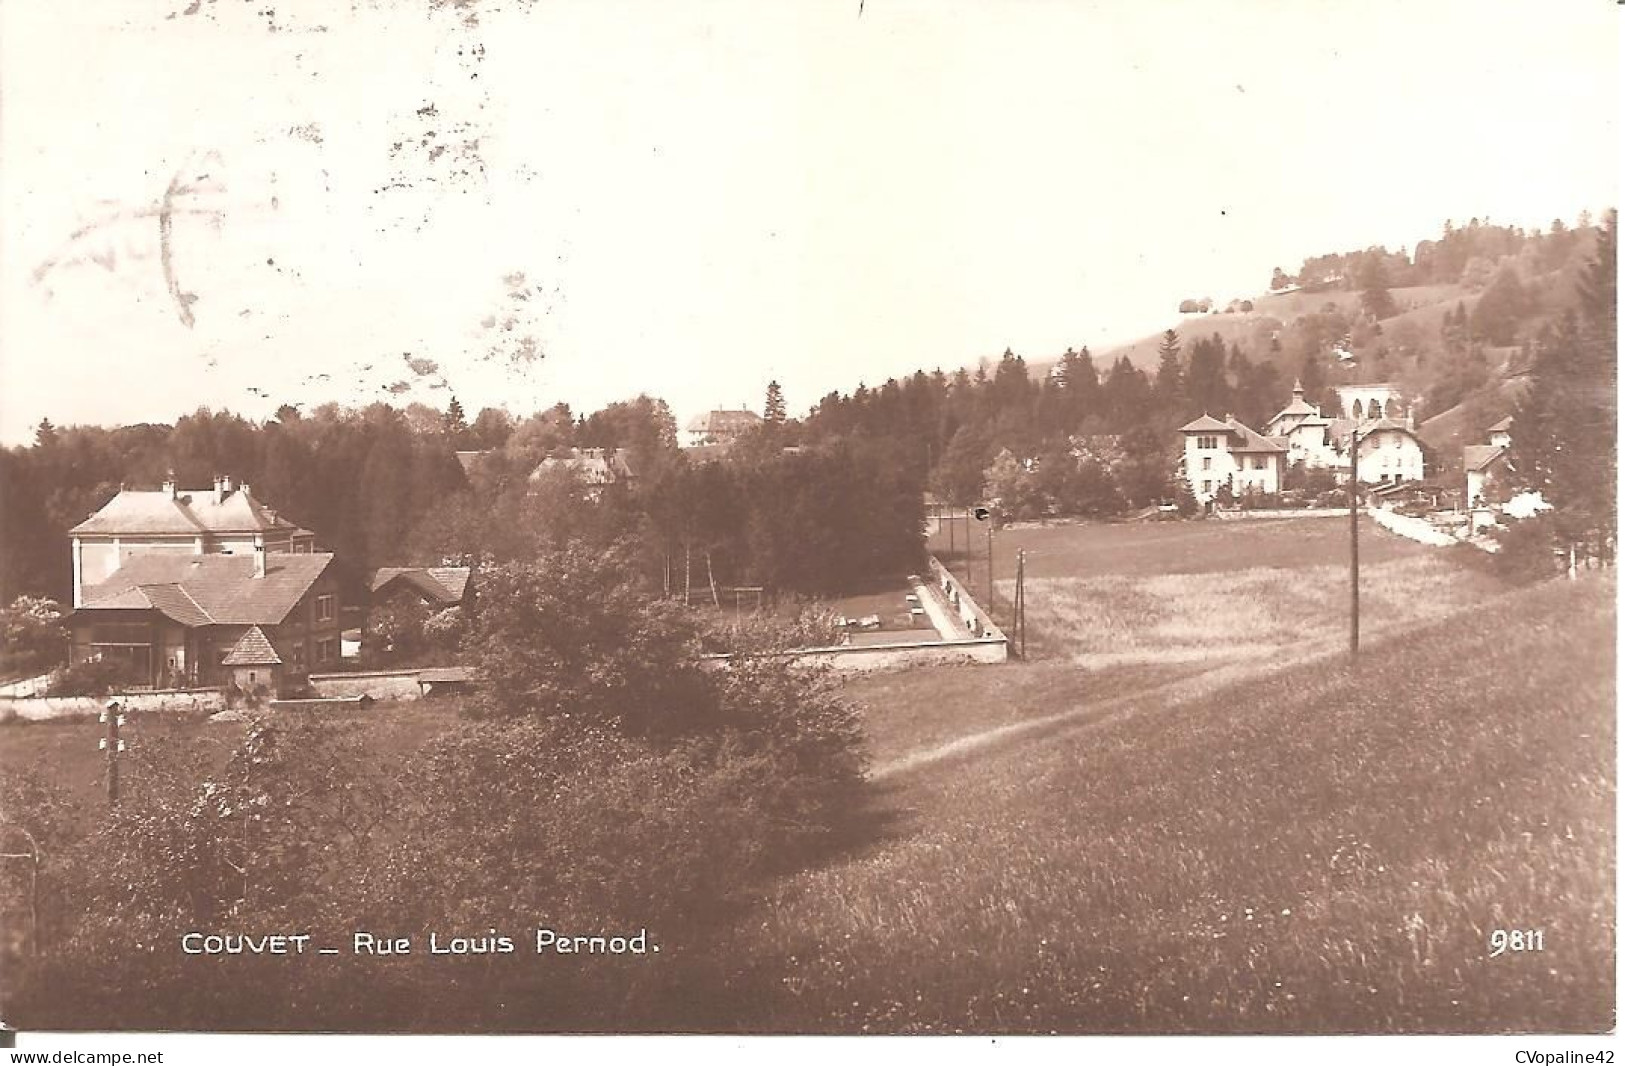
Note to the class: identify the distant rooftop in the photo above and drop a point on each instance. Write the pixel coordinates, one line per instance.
(168, 510)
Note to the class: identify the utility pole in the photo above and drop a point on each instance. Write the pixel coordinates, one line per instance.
(1354, 545)
(1021, 601)
(113, 746)
(32, 855)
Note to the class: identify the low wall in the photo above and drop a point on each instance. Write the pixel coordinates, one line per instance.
(379, 684)
(1417, 529)
(1284, 512)
(861, 657)
(976, 622)
(42, 708)
(27, 686)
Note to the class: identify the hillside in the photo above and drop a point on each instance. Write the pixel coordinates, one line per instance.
(1323, 848)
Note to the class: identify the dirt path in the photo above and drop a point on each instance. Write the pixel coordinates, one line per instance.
(1173, 692)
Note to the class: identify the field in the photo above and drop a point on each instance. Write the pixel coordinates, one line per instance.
(1187, 812)
(1324, 848)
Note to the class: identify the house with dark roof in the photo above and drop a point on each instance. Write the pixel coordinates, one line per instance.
(595, 468)
(223, 520)
(180, 620)
(719, 427)
(1487, 464)
(436, 587)
(1221, 454)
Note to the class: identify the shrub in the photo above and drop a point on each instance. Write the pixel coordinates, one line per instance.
(93, 677)
(31, 636)
(1527, 550)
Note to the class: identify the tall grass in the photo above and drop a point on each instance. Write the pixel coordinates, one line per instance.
(1324, 849)
(1245, 613)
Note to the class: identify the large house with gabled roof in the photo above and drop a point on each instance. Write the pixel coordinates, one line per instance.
(1224, 454)
(179, 620)
(223, 520)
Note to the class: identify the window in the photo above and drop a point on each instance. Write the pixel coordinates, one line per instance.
(326, 607)
(1207, 443)
(1260, 463)
(1207, 462)
(326, 650)
(1207, 485)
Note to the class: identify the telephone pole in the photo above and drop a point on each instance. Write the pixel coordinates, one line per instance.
(1354, 545)
(1021, 601)
(111, 744)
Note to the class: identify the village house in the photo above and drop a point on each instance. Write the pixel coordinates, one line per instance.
(1488, 464)
(435, 587)
(719, 427)
(224, 520)
(595, 468)
(1226, 454)
(182, 620)
(1390, 451)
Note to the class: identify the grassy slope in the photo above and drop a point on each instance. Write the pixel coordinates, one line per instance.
(1321, 849)
(1425, 304)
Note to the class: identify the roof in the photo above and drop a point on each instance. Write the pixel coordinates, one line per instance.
(443, 584)
(724, 423)
(708, 453)
(467, 460)
(188, 513)
(1206, 424)
(595, 466)
(1384, 424)
(1296, 407)
(1503, 426)
(443, 674)
(1479, 456)
(252, 649)
(1253, 441)
(197, 590)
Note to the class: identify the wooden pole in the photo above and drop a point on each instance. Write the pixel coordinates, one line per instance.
(111, 743)
(1354, 545)
(1021, 600)
(990, 586)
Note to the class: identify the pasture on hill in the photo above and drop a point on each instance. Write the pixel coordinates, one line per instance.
(1321, 848)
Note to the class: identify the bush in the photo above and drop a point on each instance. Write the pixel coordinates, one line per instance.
(1527, 550)
(32, 639)
(93, 677)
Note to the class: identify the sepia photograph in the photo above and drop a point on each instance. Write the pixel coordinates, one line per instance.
(825, 518)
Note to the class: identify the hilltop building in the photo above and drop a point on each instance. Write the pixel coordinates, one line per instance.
(719, 427)
(224, 520)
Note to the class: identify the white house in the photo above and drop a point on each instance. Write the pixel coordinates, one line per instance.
(1304, 431)
(224, 520)
(1389, 452)
(1487, 463)
(1227, 453)
(719, 427)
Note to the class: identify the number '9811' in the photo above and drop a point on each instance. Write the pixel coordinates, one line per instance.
(1505, 940)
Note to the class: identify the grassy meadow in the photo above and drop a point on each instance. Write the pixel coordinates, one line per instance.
(1186, 812)
(1322, 848)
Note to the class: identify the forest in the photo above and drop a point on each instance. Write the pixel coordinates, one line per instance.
(812, 505)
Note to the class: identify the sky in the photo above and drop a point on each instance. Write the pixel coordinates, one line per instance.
(522, 202)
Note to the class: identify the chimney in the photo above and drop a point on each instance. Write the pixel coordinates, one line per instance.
(219, 488)
(259, 560)
(169, 485)
(243, 488)
(1410, 419)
